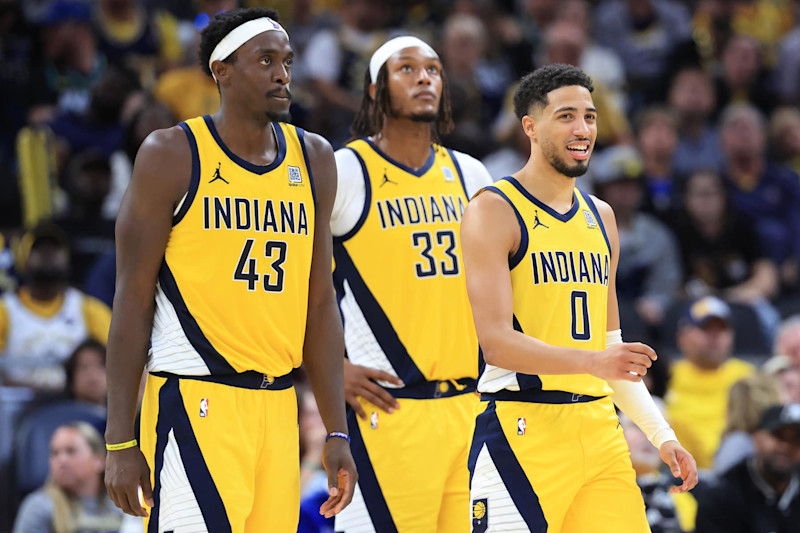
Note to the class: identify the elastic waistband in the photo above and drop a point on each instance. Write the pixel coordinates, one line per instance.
(538, 396)
(243, 380)
(427, 390)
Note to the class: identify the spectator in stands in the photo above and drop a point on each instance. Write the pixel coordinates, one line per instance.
(74, 499)
(699, 385)
(565, 42)
(476, 86)
(515, 147)
(72, 62)
(86, 373)
(648, 273)
(657, 139)
(769, 194)
(335, 61)
(787, 340)
(786, 375)
(784, 137)
(139, 39)
(43, 322)
(720, 246)
(87, 181)
(760, 494)
(313, 479)
(645, 34)
(691, 96)
(654, 482)
(747, 400)
(742, 77)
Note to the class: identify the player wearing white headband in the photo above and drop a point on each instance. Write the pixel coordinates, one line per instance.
(225, 226)
(411, 345)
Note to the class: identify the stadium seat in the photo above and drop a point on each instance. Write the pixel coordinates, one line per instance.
(32, 447)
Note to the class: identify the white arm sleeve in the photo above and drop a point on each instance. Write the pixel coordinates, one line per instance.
(634, 400)
(476, 177)
(350, 193)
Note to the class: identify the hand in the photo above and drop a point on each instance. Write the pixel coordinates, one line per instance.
(342, 476)
(681, 464)
(626, 360)
(126, 471)
(358, 381)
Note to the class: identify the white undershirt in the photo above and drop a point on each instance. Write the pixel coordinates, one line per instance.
(351, 193)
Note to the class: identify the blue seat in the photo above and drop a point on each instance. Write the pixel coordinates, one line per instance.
(32, 441)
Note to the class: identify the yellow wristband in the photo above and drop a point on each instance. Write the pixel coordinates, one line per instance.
(121, 445)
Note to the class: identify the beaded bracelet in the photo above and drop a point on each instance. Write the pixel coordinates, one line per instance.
(339, 434)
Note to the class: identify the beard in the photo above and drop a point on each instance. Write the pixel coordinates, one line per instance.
(279, 116)
(424, 117)
(579, 168)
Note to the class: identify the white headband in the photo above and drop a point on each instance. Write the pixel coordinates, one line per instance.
(240, 35)
(389, 48)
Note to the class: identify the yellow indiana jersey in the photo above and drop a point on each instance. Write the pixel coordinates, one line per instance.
(399, 274)
(232, 293)
(559, 277)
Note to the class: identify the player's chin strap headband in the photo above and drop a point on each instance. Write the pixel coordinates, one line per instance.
(240, 35)
(389, 48)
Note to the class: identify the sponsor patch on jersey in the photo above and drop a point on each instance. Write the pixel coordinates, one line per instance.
(373, 420)
(590, 221)
(521, 425)
(294, 175)
(203, 407)
(480, 515)
(448, 174)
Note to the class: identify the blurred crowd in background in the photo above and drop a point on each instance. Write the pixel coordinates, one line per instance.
(698, 152)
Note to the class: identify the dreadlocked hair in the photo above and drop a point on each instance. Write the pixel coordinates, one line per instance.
(370, 116)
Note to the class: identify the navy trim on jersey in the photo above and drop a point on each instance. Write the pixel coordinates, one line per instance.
(376, 318)
(566, 217)
(489, 432)
(172, 416)
(215, 362)
(525, 381)
(194, 184)
(244, 380)
(301, 137)
(599, 220)
(458, 171)
(523, 238)
(367, 480)
(418, 173)
(255, 169)
(367, 197)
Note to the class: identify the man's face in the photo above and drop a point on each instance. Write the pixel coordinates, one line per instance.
(708, 346)
(260, 75)
(778, 450)
(566, 129)
(48, 263)
(415, 84)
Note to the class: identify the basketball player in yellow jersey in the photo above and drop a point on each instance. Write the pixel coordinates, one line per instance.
(548, 454)
(411, 344)
(223, 288)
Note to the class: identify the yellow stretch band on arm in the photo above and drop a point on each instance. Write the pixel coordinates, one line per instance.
(121, 445)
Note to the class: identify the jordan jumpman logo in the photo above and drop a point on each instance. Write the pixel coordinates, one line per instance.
(217, 175)
(537, 222)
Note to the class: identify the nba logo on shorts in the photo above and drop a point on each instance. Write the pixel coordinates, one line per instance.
(521, 426)
(373, 420)
(294, 175)
(448, 174)
(203, 408)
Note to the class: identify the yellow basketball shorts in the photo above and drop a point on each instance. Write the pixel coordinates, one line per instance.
(552, 468)
(223, 459)
(412, 467)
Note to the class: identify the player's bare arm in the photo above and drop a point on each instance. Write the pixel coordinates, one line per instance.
(490, 235)
(680, 461)
(323, 349)
(160, 178)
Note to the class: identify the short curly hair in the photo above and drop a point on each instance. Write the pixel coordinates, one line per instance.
(533, 88)
(222, 25)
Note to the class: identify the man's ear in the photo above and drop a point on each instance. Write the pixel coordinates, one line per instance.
(221, 71)
(529, 127)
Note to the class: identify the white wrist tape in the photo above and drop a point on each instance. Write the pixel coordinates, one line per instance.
(634, 400)
(389, 48)
(240, 35)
